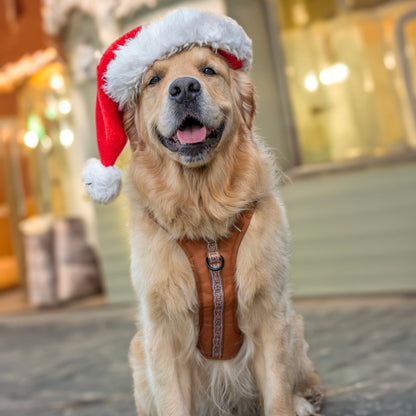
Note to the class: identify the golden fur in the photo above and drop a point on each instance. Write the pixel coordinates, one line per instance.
(172, 197)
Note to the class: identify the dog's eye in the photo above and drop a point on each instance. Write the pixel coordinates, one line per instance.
(154, 80)
(208, 71)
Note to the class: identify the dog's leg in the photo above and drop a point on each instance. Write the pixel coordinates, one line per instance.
(142, 395)
(272, 363)
(166, 317)
(168, 370)
(308, 389)
(144, 399)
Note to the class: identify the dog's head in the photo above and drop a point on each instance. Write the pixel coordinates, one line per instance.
(181, 85)
(190, 107)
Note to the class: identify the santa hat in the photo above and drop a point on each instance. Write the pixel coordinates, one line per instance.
(120, 73)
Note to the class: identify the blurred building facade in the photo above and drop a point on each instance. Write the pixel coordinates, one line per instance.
(336, 86)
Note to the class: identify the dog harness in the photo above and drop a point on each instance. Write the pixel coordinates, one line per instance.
(214, 267)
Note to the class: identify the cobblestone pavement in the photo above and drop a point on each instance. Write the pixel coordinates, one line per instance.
(74, 362)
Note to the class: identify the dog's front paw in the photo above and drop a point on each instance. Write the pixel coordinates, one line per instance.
(303, 407)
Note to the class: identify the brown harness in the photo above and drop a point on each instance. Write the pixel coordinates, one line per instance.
(214, 267)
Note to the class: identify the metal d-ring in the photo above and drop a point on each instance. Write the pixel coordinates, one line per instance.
(215, 269)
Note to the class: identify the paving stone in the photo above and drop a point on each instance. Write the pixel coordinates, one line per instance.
(74, 362)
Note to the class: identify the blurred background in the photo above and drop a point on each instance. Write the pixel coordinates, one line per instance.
(336, 92)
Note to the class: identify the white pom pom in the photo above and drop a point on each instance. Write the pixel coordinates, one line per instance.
(103, 184)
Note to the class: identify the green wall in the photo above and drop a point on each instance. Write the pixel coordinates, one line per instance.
(354, 232)
(112, 221)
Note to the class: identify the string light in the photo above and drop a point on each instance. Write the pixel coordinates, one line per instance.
(66, 137)
(64, 106)
(334, 74)
(56, 81)
(31, 139)
(389, 60)
(311, 82)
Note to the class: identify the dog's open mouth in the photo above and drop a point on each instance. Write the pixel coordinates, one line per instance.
(191, 131)
(192, 139)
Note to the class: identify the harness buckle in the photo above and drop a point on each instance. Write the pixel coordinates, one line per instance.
(215, 269)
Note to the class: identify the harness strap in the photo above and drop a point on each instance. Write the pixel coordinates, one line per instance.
(214, 267)
(215, 262)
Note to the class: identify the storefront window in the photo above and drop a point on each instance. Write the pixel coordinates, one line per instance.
(345, 82)
(46, 134)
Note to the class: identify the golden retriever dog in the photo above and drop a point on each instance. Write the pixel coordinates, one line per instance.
(196, 167)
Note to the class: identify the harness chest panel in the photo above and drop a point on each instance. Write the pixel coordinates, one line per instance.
(214, 267)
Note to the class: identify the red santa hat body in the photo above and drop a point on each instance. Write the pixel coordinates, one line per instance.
(121, 70)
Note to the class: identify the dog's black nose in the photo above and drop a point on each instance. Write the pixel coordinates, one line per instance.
(184, 89)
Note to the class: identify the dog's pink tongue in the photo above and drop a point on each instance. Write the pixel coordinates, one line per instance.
(192, 134)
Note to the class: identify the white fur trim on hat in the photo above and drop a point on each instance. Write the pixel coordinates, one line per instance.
(103, 184)
(180, 30)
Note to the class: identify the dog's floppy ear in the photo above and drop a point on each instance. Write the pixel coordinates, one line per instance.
(243, 90)
(129, 124)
